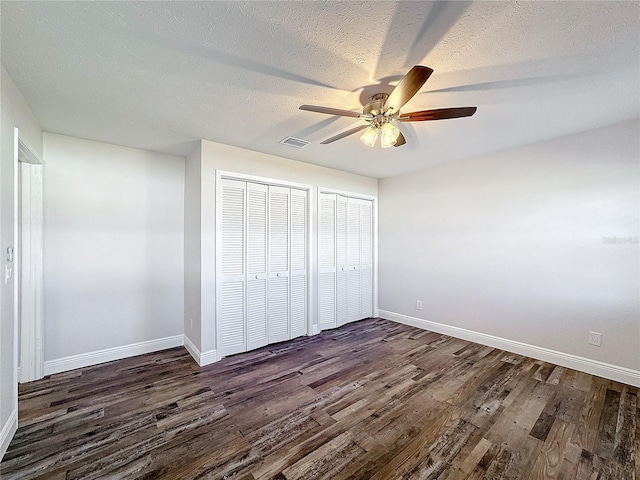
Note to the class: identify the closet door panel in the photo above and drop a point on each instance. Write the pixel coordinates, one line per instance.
(298, 272)
(342, 291)
(353, 257)
(257, 335)
(231, 289)
(327, 261)
(366, 237)
(278, 286)
(366, 259)
(353, 232)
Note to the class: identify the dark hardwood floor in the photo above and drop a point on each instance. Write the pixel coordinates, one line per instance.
(373, 399)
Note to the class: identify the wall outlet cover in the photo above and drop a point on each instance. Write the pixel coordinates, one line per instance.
(595, 338)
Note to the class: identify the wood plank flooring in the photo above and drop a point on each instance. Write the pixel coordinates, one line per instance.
(373, 399)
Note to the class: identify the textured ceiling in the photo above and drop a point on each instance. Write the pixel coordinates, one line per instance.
(160, 76)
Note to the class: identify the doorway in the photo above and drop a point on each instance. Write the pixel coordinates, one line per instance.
(28, 255)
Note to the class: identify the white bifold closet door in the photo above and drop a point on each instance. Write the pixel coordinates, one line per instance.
(345, 248)
(298, 266)
(232, 280)
(257, 335)
(327, 261)
(262, 292)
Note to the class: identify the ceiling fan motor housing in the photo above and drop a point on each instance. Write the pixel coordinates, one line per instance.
(375, 109)
(375, 105)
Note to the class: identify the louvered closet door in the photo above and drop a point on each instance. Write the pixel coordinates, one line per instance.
(278, 287)
(298, 271)
(366, 258)
(257, 265)
(231, 288)
(327, 261)
(342, 271)
(353, 258)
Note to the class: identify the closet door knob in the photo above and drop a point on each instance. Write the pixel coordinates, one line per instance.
(277, 274)
(257, 277)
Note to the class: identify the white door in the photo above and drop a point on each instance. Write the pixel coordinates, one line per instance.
(231, 287)
(366, 259)
(327, 261)
(298, 267)
(353, 259)
(263, 277)
(342, 293)
(345, 251)
(278, 289)
(256, 265)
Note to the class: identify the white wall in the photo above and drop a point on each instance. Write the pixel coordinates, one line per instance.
(232, 159)
(511, 244)
(192, 246)
(15, 113)
(113, 247)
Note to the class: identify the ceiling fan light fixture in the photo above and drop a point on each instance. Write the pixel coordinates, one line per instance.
(388, 135)
(369, 136)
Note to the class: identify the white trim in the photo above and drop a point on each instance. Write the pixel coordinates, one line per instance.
(207, 358)
(109, 354)
(192, 349)
(16, 271)
(263, 180)
(587, 365)
(26, 153)
(29, 267)
(345, 193)
(8, 431)
(201, 359)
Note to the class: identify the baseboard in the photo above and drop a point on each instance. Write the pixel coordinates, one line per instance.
(593, 367)
(7, 432)
(201, 358)
(109, 354)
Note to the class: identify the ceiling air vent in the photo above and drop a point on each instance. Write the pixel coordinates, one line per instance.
(295, 142)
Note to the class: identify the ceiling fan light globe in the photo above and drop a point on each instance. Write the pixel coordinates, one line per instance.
(369, 136)
(388, 135)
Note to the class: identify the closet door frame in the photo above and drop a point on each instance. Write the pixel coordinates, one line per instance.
(374, 239)
(310, 230)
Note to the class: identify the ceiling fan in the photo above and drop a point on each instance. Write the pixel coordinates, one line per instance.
(383, 110)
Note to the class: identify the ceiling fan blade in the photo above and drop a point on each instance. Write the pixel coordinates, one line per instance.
(332, 111)
(345, 134)
(400, 141)
(407, 88)
(437, 114)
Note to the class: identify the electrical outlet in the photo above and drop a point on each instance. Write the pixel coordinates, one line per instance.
(191, 323)
(595, 338)
(418, 305)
